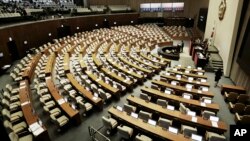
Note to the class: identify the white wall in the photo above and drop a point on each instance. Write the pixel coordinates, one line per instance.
(225, 30)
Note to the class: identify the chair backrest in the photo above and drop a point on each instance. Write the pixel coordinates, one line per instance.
(210, 136)
(129, 108)
(164, 123)
(106, 122)
(162, 102)
(153, 86)
(124, 131)
(238, 108)
(232, 96)
(206, 114)
(245, 119)
(144, 115)
(182, 108)
(243, 98)
(188, 130)
(247, 110)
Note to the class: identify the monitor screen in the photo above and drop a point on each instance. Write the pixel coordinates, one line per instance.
(173, 82)
(135, 115)
(152, 122)
(167, 91)
(119, 108)
(214, 118)
(203, 80)
(173, 130)
(190, 78)
(205, 89)
(208, 101)
(167, 73)
(186, 96)
(155, 7)
(170, 107)
(196, 137)
(178, 76)
(191, 113)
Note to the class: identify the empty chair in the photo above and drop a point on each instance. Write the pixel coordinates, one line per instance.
(231, 97)
(211, 136)
(14, 137)
(183, 109)
(61, 121)
(153, 86)
(145, 97)
(125, 132)
(188, 130)
(162, 102)
(144, 115)
(17, 128)
(247, 110)
(206, 114)
(187, 95)
(109, 123)
(105, 96)
(205, 99)
(9, 97)
(164, 123)
(245, 119)
(12, 116)
(11, 89)
(129, 108)
(141, 137)
(243, 98)
(236, 108)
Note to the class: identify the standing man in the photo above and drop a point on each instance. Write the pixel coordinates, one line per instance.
(218, 75)
(182, 45)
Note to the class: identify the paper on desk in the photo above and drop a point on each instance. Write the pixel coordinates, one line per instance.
(61, 101)
(214, 124)
(38, 131)
(25, 103)
(194, 119)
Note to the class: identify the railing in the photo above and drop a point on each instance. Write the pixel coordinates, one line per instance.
(96, 135)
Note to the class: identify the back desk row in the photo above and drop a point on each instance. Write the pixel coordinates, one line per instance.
(35, 125)
(180, 89)
(177, 115)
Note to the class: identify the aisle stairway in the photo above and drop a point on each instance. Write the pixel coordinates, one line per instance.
(215, 60)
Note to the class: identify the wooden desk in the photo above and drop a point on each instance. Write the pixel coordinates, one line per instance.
(152, 60)
(117, 66)
(114, 91)
(66, 61)
(133, 65)
(82, 63)
(192, 70)
(177, 115)
(232, 88)
(195, 92)
(188, 74)
(143, 62)
(185, 81)
(155, 131)
(117, 78)
(161, 58)
(177, 99)
(50, 64)
(96, 60)
(40, 132)
(87, 94)
(71, 113)
(29, 70)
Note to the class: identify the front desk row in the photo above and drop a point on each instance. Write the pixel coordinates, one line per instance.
(127, 132)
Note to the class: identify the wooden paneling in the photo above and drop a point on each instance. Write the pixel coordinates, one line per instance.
(36, 33)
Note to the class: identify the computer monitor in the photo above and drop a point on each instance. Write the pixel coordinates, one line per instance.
(209, 101)
(178, 76)
(135, 115)
(170, 107)
(152, 122)
(203, 80)
(214, 118)
(167, 91)
(167, 73)
(196, 137)
(186, 96)
(173, 130)
(119, 108)
(96, 95)
(191, 113)
(173, 83)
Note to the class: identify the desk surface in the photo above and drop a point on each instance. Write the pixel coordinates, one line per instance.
(192, 102)
(232, 88)
(143, 62)
(194, 70)
(188, 74)
(182, 80)
(29, 70)
(87, 94)
(117, 66)
(177, 115)
(112, 90)
(184, 89)
(139, 124)
(59, 99)
(30, 116)
(50, 63)
(133, 65)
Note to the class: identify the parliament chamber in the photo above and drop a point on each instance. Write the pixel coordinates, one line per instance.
(98, 74)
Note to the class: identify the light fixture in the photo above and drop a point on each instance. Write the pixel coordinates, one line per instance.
(114, 23)
(10, 39)
(131, 21)
(96, 25)
(49, 34)
(25, 42)
(77, 27)
(62, 25)
(105, 19)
